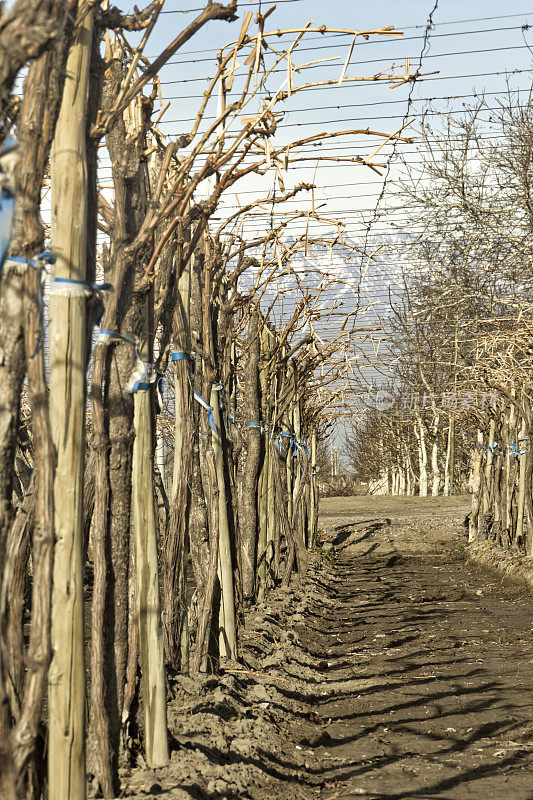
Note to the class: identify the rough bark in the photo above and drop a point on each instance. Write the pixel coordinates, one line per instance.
(250, 476)
(25, 32)
(174, 585)
(124, 315)
(28, 766)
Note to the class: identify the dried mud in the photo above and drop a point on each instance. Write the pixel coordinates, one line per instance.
(400, 670)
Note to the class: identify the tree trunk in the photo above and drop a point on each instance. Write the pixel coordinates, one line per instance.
(435, 458)
(205, 608)
(27, 768)
(250, 476)
(175, 589)
(422, 458)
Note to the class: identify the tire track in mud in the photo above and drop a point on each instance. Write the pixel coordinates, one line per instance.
(431, 664)
(389, 675)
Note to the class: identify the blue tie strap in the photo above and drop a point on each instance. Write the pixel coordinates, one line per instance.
(209, 409)
(7, 218)
(106, 337)
(144, 375)
(182, 355)
(7, 198)
(72, 287)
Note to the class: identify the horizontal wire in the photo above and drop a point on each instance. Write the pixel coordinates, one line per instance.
(387, 60)
(372, 83)
(376, 41)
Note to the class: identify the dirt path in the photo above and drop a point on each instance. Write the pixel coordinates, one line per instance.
(434, 663)
(399, 671)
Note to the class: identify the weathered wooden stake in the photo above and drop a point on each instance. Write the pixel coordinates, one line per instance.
(147, 582)
(314, 493)
(521, 445)
(66, 694)
(263, 498)
(228, 637)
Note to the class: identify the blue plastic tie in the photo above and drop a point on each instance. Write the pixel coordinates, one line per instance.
(275, 436)
(7, 218)
(49, 258)
(142, 384)
(181, 355)
(94, 287)
(118, 335)
(209, 410)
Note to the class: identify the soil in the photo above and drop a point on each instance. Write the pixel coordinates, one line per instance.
(401, 669)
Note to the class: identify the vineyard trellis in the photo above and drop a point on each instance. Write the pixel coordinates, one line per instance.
(139, 282)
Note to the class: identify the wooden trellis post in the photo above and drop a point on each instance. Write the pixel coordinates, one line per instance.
(147, 581)
(66, 692)
(521, 445)
(313, 500)
(228, 637)
(265, 473)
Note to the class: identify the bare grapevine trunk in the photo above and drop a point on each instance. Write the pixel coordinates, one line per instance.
(435, 458)
(422, 457)
(174, 585)
(250, 476)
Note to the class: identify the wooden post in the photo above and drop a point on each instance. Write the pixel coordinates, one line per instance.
(66, 693)
(313, 503)
(488, 468)
(263, 500)
(509, 474)
(271, 521)
(522, 460)
(147, 582)
(448, 464)
(228, 636)
(475, 487)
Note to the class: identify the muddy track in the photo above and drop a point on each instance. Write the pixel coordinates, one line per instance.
(400, 671)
